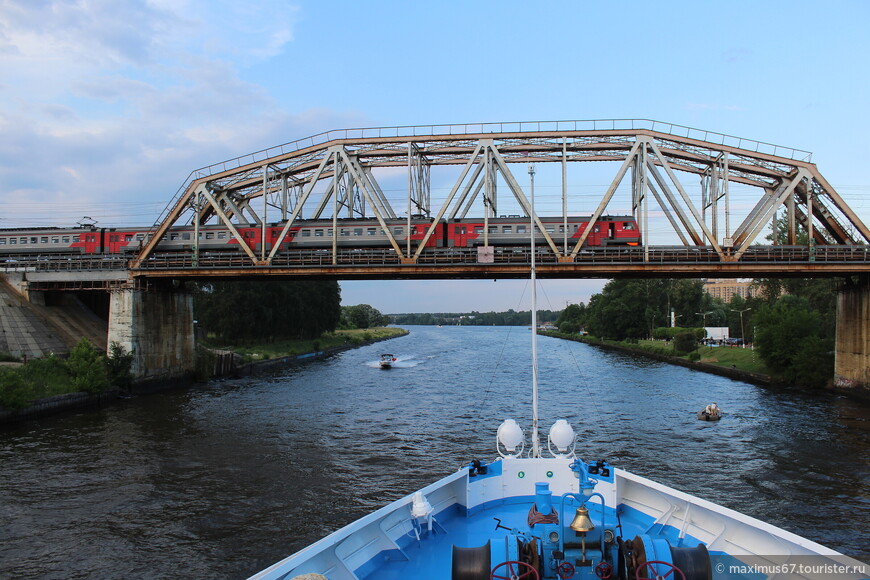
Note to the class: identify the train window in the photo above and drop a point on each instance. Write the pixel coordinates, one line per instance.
(33, 239)
(343, 232)
(305, 233)
(493, 229)
(329, 232)
(173, 236)
(65, 240)
(43, 240)
(13, 241)
(222, 235)
(185, 236)
(372, 231)
(357, 231)
(550, 229)
(55, 240)
(397, 231)
(478, 229)
(507, 230)
(561, 229)
(128, 237)
(209, 235)
(596, 229)
(2, 241)
(628, 226)
(521, 229)
(23, 240)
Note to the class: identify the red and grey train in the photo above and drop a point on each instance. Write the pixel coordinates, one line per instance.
(316, 234)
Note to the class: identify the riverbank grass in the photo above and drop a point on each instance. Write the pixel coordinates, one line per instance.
(732, 357)
(268, 350)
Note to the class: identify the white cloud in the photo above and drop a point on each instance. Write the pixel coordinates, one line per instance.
(114, 103)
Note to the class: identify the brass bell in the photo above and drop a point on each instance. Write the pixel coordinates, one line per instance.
(581, 522)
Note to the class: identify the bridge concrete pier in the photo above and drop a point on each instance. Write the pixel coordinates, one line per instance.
(157, 327)
(852, 351)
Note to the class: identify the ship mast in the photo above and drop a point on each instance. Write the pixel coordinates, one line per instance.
(536, 445)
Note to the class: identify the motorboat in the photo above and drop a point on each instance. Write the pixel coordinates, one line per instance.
(386, 361)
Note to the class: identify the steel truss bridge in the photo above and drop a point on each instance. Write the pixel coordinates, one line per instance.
(682, 178)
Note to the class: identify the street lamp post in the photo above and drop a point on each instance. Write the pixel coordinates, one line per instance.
(704, 314)
(742, 333)
(704, 323)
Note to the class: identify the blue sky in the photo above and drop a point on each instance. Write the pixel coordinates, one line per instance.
(107, 105)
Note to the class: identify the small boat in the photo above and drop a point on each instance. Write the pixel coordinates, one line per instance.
(386, 361)
(710, 413)
(529, 516)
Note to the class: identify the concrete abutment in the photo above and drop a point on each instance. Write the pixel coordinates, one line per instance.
(852, 352)
(157, 327)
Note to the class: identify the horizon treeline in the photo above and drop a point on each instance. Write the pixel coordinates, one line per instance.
(475, 318)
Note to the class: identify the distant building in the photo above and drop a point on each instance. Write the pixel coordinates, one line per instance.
(725, 288)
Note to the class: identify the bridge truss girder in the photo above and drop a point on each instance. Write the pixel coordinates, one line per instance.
(280, 189)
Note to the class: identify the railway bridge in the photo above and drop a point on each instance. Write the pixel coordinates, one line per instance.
(384, 203)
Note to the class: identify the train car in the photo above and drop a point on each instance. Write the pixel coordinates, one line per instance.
(78, 240)
(318, 234)
(514, 230)
(304, 234)
(354, 233)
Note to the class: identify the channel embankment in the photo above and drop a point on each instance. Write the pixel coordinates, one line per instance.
(221, 363)
(857, 393)
(725, 371)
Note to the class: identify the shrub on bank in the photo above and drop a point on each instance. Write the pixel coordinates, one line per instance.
(87, 367)
(14, 393)
(86, 370)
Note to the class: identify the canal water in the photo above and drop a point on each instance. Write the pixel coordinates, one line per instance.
(223, 479)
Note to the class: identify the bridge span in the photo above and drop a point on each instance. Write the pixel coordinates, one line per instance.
(452, 201)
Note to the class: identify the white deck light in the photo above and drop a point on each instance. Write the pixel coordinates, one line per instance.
(562, 436)
(510, 435)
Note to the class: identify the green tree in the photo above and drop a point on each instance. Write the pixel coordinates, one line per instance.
(239, 311)
(119, 366)
(87, 367)
(790, 341)
(685, 342)
(362, 316)
(572, 319)
(14, 392)
(628, 308)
